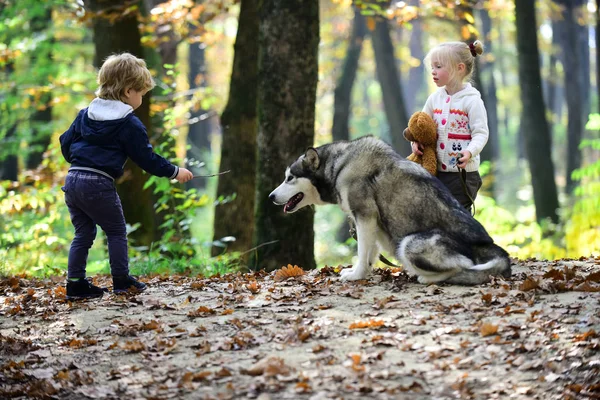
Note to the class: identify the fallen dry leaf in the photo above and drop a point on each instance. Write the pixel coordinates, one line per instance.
(288, 272)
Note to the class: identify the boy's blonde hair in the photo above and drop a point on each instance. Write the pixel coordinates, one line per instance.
(122, 71)
(450, 54)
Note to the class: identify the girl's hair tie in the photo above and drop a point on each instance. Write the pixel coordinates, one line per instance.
(472, 48)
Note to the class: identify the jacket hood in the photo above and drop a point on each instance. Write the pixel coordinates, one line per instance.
(104, 119)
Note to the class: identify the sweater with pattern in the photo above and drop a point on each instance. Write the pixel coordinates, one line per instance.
(461, 125)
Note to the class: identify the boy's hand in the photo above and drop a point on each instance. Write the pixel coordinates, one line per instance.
(184, 175)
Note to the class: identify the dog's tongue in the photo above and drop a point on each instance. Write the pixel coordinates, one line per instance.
(293, 202)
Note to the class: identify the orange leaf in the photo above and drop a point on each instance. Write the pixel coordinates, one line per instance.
(373, 324)
(555, 275)
(528, 284)
(486, 298)
(253, 287)
(584, 336)
(488, 329)
(371, 23)
(593, 277)
(201, 312)
(288, 272)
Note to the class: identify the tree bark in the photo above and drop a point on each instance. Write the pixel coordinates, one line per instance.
(199, 125)
(239, 130)
(123, 35)
(9, 163)
(571, 59)
(41, 59)
(340, 129)
(534, 125)
(598, 53)
(491, 151)
(288, 74)
(416, 75)
(391, 87)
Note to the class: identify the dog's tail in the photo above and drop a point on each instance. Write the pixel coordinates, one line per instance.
(492, 260)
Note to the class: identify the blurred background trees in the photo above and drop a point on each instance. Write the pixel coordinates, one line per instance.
(245, 86)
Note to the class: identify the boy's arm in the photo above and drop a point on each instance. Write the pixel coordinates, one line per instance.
(67, 138)
(138, 148)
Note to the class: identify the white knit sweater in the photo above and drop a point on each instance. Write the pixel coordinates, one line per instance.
(461, 125)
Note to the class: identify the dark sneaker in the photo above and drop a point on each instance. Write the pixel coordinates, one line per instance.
(122, 284)
(83, 289)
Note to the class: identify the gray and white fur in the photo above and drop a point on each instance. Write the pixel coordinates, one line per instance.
(398, 208)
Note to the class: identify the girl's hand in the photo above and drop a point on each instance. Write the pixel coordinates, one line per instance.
(184, 175)
(462, 162)
(416, 148)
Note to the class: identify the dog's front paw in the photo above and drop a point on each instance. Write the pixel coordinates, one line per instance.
(352, 274)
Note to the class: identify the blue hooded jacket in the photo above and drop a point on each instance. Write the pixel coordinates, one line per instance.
(104, 135)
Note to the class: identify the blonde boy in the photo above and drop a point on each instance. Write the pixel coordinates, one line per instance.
(97, 145)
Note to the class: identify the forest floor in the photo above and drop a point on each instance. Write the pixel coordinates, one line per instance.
(280, 336)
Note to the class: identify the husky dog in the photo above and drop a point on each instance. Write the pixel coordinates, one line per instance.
(398, 208)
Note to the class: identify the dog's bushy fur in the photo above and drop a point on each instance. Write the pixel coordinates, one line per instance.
(398, 208)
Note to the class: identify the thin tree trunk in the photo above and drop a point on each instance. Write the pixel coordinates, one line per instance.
(9, 164)
(288, 74)
(123, 35)
(491, 151)
(239, 127)
(343, 95)
(343, 92)
(534, 125)
(598, 52)
(502, 68)
(416, 75)
(391, 87)
(571, 60)
(200, 126)
(42, 117)
(9, 167)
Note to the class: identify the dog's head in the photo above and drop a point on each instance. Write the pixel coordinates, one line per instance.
(297, 189)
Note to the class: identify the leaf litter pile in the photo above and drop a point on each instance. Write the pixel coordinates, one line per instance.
(293, 334)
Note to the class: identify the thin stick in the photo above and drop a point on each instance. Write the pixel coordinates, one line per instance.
(208, 176)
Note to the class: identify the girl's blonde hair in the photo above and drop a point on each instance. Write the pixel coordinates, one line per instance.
(122, 71)
(450, 54)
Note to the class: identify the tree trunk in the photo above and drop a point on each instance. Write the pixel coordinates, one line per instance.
(9, 163)
(491, 150)
(239, 127)
(502, 69)
(571, 60)
(343, 92)
(122, 35)
(552, 88)
(288, 74)
(534, 125)
(41, 60)
(343, 95)
(199, 125)
(416, 75)
(391, 88)
(9, 167)
(598, 53)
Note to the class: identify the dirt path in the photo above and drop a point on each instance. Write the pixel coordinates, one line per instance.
(308, 337)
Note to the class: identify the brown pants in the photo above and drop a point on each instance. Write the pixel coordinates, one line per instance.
(452, 180)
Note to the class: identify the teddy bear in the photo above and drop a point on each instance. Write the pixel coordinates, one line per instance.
(423, 129)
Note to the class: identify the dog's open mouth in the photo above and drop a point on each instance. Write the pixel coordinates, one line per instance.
(293, 202)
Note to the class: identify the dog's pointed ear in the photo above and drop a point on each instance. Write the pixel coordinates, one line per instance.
(311, 159)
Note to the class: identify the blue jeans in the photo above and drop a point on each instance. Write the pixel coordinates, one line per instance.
(92, 200)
